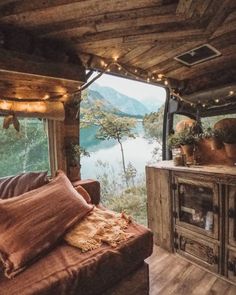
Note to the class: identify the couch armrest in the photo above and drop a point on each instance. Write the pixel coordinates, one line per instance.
(92, 187)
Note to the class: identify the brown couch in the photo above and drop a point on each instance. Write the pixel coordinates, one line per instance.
(107, 270)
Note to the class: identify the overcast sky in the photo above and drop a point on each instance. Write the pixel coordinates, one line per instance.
(138, 90)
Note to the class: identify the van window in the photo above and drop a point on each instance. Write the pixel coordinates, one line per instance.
(210, 121)
(26, 150)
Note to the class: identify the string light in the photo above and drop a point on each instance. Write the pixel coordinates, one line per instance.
(148, 77)
(46, 96)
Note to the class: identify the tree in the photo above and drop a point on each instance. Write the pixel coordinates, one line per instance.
(153, 124)
(131, 173)
(111, 126)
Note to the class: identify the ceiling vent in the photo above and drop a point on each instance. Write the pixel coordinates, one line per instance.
(197, 55)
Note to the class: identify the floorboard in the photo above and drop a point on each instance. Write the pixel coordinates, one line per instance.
(169, 274)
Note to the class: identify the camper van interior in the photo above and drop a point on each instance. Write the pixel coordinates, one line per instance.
(56, 237)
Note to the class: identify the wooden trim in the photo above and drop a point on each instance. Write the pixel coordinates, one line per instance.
(12, 61)
(36, 109)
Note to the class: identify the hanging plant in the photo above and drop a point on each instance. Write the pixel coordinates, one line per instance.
(74, 152)
(215, 137)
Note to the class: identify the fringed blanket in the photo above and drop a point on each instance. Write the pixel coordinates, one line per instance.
(97, 227)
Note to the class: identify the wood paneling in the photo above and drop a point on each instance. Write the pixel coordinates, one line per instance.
(159, 206)
(146, 34)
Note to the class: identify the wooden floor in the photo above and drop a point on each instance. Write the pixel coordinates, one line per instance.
(171, 274)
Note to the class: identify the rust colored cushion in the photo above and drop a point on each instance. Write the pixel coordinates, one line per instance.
(22, 183)
(83, 193)
(33, 222)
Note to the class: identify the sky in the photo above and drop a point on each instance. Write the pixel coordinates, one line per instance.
(138, 90)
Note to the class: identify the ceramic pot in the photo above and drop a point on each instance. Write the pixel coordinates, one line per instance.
(230, 149)
(216, 144)
(187, 149)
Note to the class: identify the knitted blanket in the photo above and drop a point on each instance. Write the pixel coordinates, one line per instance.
(99, 226)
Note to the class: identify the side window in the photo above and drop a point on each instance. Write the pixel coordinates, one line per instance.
(26, 150)
(210, 121)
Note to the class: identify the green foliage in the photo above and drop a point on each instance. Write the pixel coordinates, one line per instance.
(212, 133)
(116, 197)
(185, 137)
(153, 124)
(74, 151)
(131, 173)
(132, 201)
(23, 151)
(109, 182)
(110, 126)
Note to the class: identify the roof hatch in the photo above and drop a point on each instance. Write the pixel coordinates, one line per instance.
(198, 55)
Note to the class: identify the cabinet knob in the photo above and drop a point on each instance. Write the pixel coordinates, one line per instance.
(231, 213)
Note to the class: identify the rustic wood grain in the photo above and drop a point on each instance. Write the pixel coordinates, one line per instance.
(212, 250)
(170, 274)
(146, 34)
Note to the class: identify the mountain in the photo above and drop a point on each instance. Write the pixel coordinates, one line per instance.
(119, 101)
(95, 96)
(153, 104)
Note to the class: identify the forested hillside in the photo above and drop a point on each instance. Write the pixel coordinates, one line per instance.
(23, 151)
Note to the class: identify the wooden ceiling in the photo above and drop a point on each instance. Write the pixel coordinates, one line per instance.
(143, 35)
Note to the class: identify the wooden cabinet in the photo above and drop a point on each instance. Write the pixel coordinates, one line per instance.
(200, 206)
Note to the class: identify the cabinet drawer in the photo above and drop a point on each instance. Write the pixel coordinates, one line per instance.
(198, 250)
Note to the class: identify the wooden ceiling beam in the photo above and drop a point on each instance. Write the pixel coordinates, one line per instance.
(103, 19)
(193, 8)
(70, 10)
(134, 53)
(219, 78)
(25, 86)
(25, 63)
(185, 7)
(220, 15)
(174, 35)
(13, 7)
(127, 33)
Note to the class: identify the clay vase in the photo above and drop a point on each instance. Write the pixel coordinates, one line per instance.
(187, 150)
(230, 149)
(216, 144)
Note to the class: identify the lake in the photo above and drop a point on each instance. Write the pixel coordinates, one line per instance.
(138, 151)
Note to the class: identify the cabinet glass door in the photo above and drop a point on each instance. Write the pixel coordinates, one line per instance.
(197, 206)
